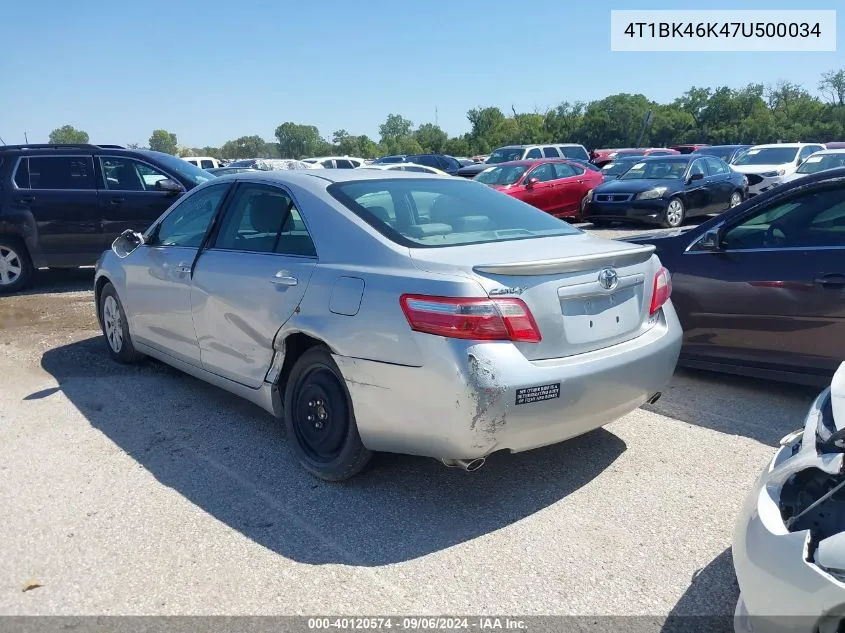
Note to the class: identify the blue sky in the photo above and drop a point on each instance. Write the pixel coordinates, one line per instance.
(213, 70)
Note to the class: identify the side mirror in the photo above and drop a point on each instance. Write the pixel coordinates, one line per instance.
(169, 185)
(531, 182)
(698, 176)
(710, 241)
(127, 242)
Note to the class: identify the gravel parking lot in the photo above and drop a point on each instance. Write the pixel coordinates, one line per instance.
(144, 491)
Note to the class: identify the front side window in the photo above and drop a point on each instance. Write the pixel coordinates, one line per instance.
(543, 173)
(264, 219)
(814, 219)
(698, 168)
(61, 172)
(188, 221)
(207, 164)
(460, 212)
(180, 167)
(125, 174)
(550, 152)
(534, 153)
(22, 174)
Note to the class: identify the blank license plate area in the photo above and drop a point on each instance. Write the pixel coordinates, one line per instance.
(592, 318)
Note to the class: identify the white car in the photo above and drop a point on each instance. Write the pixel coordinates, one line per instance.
(766, 166)
(789, 541)
(425, 169)
(820, 161)
(203, 162)
(336, 162)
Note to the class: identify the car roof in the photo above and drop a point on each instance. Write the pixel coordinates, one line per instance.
(310, 177)
(675, 158)
(787, 145)
(532, 161)
(835, 150)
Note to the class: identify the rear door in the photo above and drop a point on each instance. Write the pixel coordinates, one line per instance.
(250, 281)
(129, 197)
(569, 188)
(60, 191)
(775, 293)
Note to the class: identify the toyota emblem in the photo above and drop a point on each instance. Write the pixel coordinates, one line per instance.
(608, 279)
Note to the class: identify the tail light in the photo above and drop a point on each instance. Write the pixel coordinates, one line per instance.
(469, 318)
(661, 291)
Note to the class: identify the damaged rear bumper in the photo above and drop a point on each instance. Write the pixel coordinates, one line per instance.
(470, 399)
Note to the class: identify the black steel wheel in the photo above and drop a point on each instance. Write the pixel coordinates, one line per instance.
(320, 420)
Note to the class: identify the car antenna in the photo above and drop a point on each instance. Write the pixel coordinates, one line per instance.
(2, 141)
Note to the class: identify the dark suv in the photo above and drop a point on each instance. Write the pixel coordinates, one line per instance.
(438, 161)
(63, 205)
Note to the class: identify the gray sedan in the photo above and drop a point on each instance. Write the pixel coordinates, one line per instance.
(391, 311)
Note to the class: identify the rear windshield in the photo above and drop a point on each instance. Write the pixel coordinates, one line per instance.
(504, 175)
(504, 155)
(768, 156)
(435, 212)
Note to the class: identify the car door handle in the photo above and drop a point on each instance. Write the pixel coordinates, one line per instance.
(282, 278)
(183, 269)
(26, 199)
(116, 201)
(833, 280)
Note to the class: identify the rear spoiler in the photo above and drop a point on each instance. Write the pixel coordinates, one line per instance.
(572, 264)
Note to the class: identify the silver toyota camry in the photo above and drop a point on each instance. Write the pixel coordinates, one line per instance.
(393, 311)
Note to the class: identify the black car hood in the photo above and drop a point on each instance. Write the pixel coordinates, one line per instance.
(638, 185)
(473, 170)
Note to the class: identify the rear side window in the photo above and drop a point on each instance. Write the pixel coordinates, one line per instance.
(575, 152)
(344, 164)
(22, 174)
(457, 212)
(61, 172)
(551, 152)
(533, 153)
(207, 164)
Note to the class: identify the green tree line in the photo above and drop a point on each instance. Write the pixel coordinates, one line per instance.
(754, 114)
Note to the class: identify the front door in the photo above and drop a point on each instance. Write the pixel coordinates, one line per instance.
(541, 194)
(569, 189)
(129, 198)
(158, 276)
(61, 193)
(250, 281)
(698, 193)
(775, 291)
(721, 186)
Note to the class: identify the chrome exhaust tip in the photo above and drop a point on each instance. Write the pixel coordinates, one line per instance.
(655, 398)
(469, 465)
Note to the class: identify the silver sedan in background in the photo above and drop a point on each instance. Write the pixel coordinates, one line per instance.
(391, 311)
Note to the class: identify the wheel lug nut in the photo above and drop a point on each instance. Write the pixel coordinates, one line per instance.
(310, 403)
(323, 416)
(318, 425)
(310, 418)
(319, 403)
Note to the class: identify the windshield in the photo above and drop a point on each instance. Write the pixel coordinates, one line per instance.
(435, 212)
(767, 156)
(724, 153)
(618, 168)
(183, 168)
(820, 162)
(506, 175)
(505, 155)
(656, 170)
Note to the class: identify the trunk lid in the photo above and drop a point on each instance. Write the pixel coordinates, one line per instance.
(558, 278)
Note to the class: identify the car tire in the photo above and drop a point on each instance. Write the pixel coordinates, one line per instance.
(319, 419)
(116, 328)
(736, 199)
(674, 215)
(15, 266)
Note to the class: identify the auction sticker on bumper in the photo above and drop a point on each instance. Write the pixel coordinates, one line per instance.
(527, 395)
